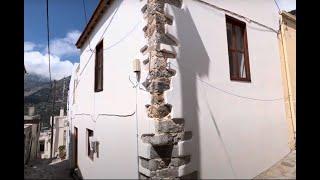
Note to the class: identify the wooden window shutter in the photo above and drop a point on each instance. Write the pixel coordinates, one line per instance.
(99, 68)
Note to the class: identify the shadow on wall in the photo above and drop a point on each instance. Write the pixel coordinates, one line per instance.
(193, 62)
(192, 53)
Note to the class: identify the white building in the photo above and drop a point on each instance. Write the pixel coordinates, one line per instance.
(236, 112)
(60, 135)
(45, 144)
(59, 132)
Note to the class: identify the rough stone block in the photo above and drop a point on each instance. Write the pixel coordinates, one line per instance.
(176, 3)
(169, 172)
(158, 86)
(163, 151)
(162, 38)
(168, 54)
(157, 98)
(144, 49)
(155, 164)
(156, 50)
(182, 136)
(176, 162)
(168, 126)
(144, 8)
(159, 111)
(157, 64)
(157, 140)
(146, 61)
(166, 151)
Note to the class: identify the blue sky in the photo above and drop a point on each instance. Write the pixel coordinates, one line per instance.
(67, 21)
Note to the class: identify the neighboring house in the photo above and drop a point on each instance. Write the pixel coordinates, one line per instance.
(227, 88)
(293, 12)
(71, 105)
(32, 141)
(59, 132)
(44, 144)
(287, 40)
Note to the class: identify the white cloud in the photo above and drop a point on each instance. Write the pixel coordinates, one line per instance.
(38, 63)
(29, 46)
(65, 46)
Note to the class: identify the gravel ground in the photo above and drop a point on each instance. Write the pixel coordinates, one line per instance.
(285, 169)
(47, 169)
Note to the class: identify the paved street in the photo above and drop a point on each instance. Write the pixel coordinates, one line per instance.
(47, 169)
(285, 169)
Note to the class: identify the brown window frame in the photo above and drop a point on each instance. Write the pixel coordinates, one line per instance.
(90, 154)
(233, 49)
(98, 70)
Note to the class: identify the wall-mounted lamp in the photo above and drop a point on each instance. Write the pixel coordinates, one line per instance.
(137, 68)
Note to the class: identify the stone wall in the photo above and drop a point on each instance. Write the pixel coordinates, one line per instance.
(27, 142)
(164, 160)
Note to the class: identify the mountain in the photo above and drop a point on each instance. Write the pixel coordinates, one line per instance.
(34, 83)
(37, 92)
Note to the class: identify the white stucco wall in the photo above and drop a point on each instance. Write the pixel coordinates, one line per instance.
(237, 137)
(70, 114)
(232, 137)
(58, 131)
(45, 137)
(116, 135)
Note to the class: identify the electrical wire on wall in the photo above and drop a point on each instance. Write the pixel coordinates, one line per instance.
(86, 21)
(113, 45)
(135, 85)
(227, 92)
(104, 31)
(238, 15)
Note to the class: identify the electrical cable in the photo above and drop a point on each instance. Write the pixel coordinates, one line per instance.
(48, 44)
(100, 39)
(51, 89)
(48, 41)
(279, 9)
(124, 37)
(113, 45)
(86, 20)
(238, 15)
(85, 11)
(230, 93)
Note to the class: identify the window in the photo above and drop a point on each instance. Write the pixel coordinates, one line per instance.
(98, 75)
(238, 50)
(89, 148)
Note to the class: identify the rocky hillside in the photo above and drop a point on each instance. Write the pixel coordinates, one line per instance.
(37, 93)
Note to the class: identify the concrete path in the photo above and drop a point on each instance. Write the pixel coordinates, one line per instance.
(285, 169)
(48, 169)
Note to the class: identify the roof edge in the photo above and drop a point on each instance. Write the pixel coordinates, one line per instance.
(96, 16)
(288, 15)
